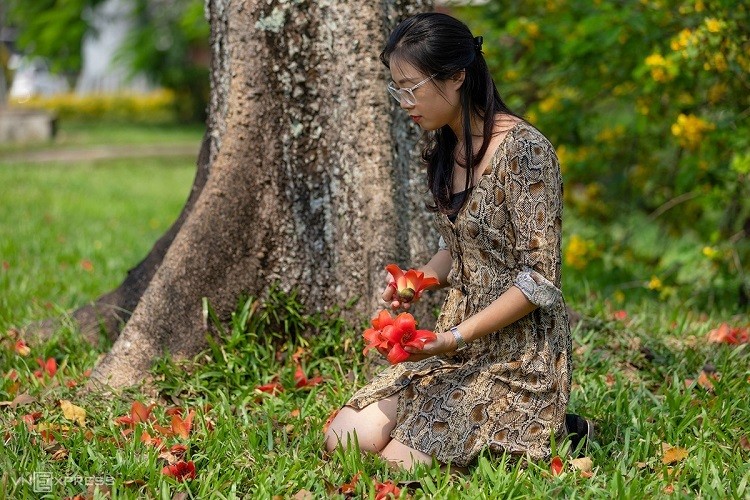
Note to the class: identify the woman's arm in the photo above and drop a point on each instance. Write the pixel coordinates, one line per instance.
(438, 267)
(506, 309)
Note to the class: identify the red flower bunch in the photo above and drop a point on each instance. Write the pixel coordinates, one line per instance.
(390, 335)
(409, 284)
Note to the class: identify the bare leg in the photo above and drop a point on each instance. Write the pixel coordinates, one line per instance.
(372, 425)
(400, 455)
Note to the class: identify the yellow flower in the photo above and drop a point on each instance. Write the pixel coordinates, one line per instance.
(699, 6)
(689, 130)
(654, 283)
(551, 103)
(713, 25)
(710, 252)
(577, 252)
(720, 62)
(682, 40)
(662, 70)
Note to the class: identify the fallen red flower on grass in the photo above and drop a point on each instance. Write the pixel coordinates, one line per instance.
(273, 387)
(556, 466)
(384, 490)
(138, 413)
(22, 348)
(410, 284)
(393, 337)
(729, 335)
(301, 379)
(179, 426)
(181, 471)
(49, 367)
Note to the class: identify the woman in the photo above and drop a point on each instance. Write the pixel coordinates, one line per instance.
(498, 374)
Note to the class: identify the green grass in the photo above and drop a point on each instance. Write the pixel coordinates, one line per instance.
(70, 231)
(75, 134)
(629, 374)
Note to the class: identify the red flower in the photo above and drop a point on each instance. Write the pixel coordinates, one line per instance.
(273, 387)
(49, 367)
(301, 379)
(372, 335)
(179, 427)
(392, 338)
(729, 335)
(556, 466)
(410, 284)
(384, 490)
(181, 471)
(22, 348)
(138, 413)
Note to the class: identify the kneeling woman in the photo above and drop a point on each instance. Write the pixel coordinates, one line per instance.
(498, 375)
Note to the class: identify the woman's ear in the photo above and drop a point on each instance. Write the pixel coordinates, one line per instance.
(457, 79)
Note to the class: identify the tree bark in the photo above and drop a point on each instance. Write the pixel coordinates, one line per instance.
(310, 184)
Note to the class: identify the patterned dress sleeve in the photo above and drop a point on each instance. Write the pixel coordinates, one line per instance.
(533, 186)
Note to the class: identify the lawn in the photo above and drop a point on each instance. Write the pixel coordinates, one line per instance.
(671, 409)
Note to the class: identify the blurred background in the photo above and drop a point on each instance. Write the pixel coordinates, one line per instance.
(646, 101)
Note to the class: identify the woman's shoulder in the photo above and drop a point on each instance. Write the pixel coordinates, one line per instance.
(523, 134)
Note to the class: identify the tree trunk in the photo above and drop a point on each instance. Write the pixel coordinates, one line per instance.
(310, 183)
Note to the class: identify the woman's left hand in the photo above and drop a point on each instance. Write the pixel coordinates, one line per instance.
(444, 343)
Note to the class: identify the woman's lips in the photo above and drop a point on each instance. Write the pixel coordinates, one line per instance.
(416, 118)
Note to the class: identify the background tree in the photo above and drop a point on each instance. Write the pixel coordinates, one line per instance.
(304, 180)
(53, 29)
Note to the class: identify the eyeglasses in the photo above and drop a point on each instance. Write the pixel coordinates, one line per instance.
(407, 95)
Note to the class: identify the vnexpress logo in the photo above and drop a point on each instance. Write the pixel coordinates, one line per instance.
(42, 482)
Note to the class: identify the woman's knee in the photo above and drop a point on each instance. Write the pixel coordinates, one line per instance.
(371, 426)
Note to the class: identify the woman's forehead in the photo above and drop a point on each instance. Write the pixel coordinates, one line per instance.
(403, 71)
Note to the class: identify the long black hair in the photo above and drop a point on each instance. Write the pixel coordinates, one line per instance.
(436, 43)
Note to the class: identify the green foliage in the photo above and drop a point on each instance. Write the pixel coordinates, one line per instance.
(171, 46)
(53, 29)
(647, 103)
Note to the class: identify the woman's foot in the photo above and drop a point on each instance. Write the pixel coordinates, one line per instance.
(581, 433)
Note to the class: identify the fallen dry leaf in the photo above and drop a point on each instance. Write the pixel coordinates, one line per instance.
(745, 442)
(673, 455)
(21, 399)
(73, 412)
(583, 464)
(303, 495)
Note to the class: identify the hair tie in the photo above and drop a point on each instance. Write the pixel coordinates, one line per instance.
(478, 43)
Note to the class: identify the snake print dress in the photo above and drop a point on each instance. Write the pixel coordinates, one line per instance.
(509, 390)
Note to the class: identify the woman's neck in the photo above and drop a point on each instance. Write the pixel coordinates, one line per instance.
(477, 132)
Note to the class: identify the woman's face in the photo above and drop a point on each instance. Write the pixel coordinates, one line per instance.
(437, 102)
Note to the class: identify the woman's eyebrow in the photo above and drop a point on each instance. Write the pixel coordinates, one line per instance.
(404, 80)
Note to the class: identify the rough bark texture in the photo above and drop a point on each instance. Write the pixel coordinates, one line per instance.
(310, 182)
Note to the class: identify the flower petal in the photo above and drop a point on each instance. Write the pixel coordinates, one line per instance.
(395, 271)
(397, 354)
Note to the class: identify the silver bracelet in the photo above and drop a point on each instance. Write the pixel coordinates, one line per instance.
(460, 342)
